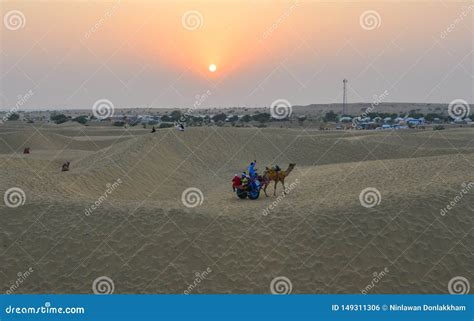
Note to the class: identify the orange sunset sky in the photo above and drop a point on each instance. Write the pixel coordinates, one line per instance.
(157, 53)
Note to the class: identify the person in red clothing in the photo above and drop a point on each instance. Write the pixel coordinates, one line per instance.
(236, 182)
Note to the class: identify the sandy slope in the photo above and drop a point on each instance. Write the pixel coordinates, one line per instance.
(319, 236)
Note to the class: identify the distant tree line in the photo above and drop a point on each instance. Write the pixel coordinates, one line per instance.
(13, 116)
(176, 115)
(59, 118)
(260, 117)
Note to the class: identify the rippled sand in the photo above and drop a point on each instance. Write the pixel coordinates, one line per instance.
(319, 236)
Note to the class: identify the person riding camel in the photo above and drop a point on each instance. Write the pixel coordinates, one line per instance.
(252, 169)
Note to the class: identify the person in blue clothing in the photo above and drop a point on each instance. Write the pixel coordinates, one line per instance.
(252, 169)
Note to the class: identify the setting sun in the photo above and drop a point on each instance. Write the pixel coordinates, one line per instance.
(212, 68)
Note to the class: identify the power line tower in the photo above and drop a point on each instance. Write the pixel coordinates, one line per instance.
(344, 96)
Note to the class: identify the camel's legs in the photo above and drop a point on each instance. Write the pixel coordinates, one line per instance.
(265, 189)
(275, 189)
(283, 183)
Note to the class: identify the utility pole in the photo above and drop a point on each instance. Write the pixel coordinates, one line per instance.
(344, 96)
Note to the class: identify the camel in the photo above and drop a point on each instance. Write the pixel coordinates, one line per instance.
(272, 175)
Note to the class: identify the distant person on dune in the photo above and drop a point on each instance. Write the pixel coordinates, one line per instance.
(65, 167)
(26, 150)
(153, 129)
(180, 127)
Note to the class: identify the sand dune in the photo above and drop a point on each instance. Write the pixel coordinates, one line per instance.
(319, 235)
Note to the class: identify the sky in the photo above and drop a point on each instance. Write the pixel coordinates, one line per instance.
(70, 54)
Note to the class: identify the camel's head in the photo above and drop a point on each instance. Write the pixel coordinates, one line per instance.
(292, 165)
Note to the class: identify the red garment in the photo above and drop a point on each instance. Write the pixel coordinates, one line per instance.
(236, 181)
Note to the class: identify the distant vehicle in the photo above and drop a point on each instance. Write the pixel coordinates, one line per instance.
(378, 119)
(414, 121)
(399, 119)
(369, 125)
(400, 127)
(460, 121)
(345, 119)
